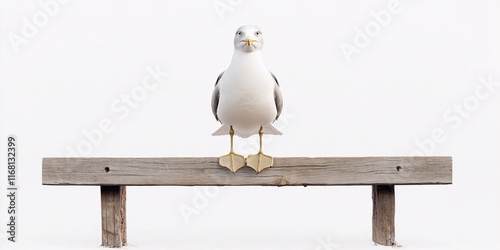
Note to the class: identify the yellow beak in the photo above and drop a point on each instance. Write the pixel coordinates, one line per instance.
(249, 41)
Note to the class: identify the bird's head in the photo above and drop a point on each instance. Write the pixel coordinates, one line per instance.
(248, 38)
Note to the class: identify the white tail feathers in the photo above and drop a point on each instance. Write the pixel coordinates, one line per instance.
(268, 130)
(223, 130)
(271, 130)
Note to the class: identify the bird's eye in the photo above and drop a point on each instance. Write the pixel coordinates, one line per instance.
(238, 33)
(257, 33)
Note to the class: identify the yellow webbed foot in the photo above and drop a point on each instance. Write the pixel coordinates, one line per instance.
(259, 161)
(232, 161)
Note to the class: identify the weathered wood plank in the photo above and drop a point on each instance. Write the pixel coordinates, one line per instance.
(113, 214)
(289, 171)
(384, 204)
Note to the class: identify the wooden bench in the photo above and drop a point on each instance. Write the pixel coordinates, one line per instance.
(114, 174)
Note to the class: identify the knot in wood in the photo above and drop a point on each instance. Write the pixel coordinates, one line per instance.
(283, 181)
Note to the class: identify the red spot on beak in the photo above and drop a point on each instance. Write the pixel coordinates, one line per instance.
(249, 41)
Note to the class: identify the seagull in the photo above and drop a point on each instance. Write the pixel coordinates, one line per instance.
(247, 99)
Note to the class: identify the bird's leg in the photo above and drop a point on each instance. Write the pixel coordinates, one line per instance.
(260, 161)
(232, 160)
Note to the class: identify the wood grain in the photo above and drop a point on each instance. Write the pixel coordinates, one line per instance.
(384, 204)
(113, 216)
(287, 171)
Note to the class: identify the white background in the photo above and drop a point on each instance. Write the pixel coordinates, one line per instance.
(404, 83)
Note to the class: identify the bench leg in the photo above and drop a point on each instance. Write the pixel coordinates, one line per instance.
(383, 215)
(113, 214)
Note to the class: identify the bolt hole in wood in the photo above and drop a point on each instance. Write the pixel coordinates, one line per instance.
(106, 169)
(398, 168)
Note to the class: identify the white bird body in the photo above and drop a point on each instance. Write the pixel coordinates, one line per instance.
(251, 102)
(247, 94)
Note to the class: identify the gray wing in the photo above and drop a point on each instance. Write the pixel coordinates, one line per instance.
(215, 97)
(278, 99)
